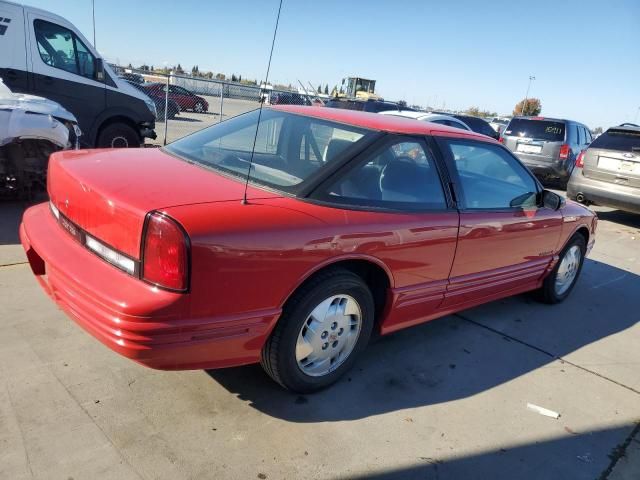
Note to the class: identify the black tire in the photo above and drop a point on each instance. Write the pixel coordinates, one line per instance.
(279, 352)
(118, 135)
(198, 107)
(547, 293)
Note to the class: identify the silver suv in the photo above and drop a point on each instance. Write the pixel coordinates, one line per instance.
(548, 146)
(608, 172)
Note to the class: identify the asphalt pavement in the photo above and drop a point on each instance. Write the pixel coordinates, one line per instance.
(444, 400)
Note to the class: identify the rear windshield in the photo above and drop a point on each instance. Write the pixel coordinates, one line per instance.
(289, 148)
(538, 129)
(621, 140)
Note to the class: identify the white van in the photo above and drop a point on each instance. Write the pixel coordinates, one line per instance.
(44, 54)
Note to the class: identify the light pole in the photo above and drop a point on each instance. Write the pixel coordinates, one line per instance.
(531, 78)
(635, 120)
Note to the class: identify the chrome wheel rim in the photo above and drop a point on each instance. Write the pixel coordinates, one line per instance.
(568, 270)
(199, 108)
(328, 335)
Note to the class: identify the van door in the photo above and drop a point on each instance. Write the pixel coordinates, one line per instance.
(63, 67)
(13, 57)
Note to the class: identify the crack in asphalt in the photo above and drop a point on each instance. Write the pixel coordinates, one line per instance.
(13, 264)
(545, 352)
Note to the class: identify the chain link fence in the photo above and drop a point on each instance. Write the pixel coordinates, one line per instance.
(186, 104)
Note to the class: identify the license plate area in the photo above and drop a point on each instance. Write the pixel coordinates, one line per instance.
(526, 148)
(618, 166)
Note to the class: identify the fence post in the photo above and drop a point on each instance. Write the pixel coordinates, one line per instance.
(166, 109)
(221, 100)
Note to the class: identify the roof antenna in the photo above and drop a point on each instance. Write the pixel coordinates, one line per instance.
(255, 138)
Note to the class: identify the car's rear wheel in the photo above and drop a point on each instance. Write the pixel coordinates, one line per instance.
(559, 283)
(323, 328)
(198, 107)
(118, 135)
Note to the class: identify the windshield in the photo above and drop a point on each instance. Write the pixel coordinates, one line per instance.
(539, 129)
(288, 148)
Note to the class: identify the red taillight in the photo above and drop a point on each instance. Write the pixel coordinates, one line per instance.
(580, 160)
(165, 253)
(564, 152)
(501, 139)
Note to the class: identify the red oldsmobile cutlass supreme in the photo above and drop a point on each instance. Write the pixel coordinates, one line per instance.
(354, 222)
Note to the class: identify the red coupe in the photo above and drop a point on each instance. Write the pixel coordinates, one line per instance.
(353, 223)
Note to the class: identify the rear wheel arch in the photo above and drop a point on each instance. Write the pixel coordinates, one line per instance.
(375, 274)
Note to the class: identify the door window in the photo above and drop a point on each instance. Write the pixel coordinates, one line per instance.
(60, 48)
(582, 137)
(490, 177)
(402, 176)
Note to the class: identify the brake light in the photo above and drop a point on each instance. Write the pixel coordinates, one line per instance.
(166, 253)
(501, 139)
(580, 160)
(564, 152)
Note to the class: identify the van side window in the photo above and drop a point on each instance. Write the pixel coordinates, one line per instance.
(60, 48)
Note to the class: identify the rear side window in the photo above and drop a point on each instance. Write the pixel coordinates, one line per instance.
(618, 139)
(538, 129)
(60, 48)
(478, 125)
(400, 176)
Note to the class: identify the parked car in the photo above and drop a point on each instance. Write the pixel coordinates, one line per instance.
(499, 124)
(373, 106)
(289, 98)
(429, 117)
(185, 99)
(135, 78)
(608, 171)
(548, 146)
(478, 125)
(159, 99)
(43, 54)
(351, 223)
(31, 129)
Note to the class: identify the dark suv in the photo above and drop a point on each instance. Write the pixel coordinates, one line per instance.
(373, 106)
(548, 146)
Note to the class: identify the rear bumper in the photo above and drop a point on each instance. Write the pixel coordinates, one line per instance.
(603, 193)
(150, 326)
(556, 169)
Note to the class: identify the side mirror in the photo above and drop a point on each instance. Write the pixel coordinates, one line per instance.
(99, 70)
(552, 200)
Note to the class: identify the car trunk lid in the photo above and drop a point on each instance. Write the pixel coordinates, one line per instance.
(614, 157)
(108, 193)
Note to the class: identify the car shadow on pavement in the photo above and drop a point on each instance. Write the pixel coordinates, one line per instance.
(576, 456)
(11, 216)
(457, 356)
(621, 217)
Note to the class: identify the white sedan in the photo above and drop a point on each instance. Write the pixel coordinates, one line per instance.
(429, 117)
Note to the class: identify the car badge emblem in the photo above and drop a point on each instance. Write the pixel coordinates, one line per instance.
(628, 155)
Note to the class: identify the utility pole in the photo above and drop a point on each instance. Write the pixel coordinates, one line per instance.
(93, 14)
(526, 96)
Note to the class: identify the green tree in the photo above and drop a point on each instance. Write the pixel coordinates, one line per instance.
(326, 89)
(221, 76)
(239, 78)
(528, 107)
(234, 78)
(319, 88)
(597, 131)
(402, 103)
(334, 91)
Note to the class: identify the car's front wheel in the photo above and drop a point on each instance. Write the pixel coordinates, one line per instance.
(323, 329)
(559, 283)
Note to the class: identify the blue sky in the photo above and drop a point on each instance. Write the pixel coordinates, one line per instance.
(585, 54)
